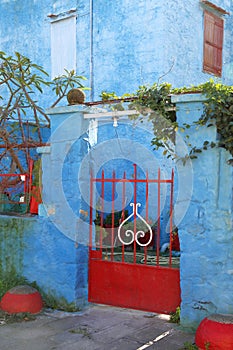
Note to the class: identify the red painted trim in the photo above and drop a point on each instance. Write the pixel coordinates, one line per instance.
(102, 210)
(148, 288)
(123, 213)
(113, 216)
(137, 286)
(134, 217)
(132, 180)
(158, 217)
(171, 218)
(91, 210)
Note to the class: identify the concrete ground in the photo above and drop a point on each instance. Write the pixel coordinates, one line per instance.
(98, 327)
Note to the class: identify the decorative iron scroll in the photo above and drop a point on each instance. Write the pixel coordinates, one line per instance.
(134, 235)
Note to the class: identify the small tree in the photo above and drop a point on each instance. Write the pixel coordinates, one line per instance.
(22, 118)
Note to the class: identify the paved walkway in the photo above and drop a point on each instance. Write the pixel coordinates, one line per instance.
(98, 327)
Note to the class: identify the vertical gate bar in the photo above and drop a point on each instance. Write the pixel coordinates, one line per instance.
(113, 215)
(123, 213)
(102, 211)
(91, 212)
(147, 212)
(158, 218)
(147, 195)
(134, 218)
(171, 216)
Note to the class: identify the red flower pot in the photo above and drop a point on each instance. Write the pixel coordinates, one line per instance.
(22, 299)
(215, 333)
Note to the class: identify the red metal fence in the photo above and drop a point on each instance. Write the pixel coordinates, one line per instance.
(126, 265)
(15, 189)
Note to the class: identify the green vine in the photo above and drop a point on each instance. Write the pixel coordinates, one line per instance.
(153, 103)
(218, 110)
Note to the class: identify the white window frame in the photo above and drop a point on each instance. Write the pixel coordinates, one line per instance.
(63, 45)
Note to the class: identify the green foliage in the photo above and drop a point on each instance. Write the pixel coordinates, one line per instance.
(154, 104)
(22, 84)
(189, 346)
(175, 316)
(106, 96)
(51, 300)
(21, 78)
(155, 97)
(62, 83)
(219, 110)
(10, 279)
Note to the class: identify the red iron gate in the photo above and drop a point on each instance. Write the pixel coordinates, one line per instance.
(126, 265)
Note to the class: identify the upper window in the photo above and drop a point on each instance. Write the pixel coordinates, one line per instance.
(63, 45)
(213, 43)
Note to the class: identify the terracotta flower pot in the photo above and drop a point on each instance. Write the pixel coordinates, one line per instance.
(22, 299)
(215, 333)
(76, 96)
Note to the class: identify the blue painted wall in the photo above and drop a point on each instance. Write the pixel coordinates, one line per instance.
(34, 248)
(66, 167)
(152, 41)
(132, 45)
(55, 244)
(205, 231)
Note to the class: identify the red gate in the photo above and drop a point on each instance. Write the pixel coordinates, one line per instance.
(127, 266)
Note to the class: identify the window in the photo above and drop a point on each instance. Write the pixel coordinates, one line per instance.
(213, 43)
(63, 45)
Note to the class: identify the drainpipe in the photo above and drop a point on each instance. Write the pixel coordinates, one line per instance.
(91, 52)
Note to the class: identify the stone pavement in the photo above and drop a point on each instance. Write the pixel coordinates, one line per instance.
(98, 327)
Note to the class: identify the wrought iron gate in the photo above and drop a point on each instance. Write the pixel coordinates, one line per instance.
(128, 265)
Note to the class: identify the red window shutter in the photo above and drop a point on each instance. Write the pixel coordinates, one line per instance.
(213, 43)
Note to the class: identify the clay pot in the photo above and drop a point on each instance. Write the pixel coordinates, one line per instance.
(22, 299)
(76, 96)
(215, 332)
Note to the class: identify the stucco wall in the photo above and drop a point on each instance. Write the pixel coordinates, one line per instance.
(206, 233)
(53, 248)
(35, 249)
(149, 42)
(132, 44)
